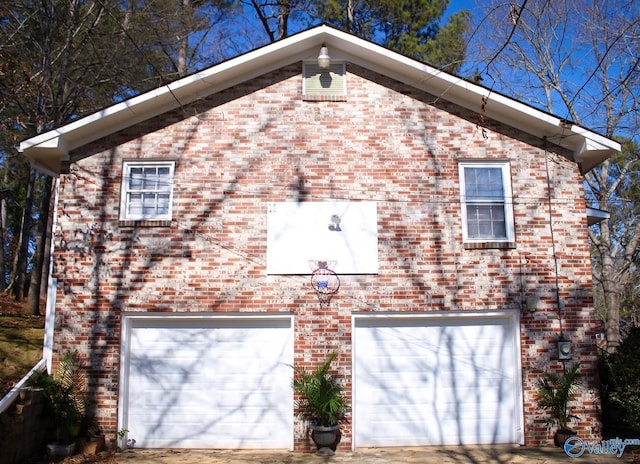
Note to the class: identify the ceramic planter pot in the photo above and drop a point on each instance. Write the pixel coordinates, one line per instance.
(326, 439)
(60, 450)
(91, 445)
(561, 436)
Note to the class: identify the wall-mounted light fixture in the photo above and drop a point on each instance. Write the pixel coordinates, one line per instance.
(324, 60)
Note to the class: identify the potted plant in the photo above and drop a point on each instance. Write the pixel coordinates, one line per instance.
(92, 440)
(64, 393)
(321, 404)
(555, 393)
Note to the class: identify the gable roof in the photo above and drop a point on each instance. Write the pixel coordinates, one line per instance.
(48, 150)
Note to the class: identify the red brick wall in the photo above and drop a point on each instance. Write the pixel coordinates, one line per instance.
(260, 142)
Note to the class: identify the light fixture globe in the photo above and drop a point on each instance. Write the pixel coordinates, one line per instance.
(324, 60)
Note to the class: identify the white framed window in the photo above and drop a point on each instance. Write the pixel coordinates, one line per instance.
(318, 82)
(487, 210)
(147, 190)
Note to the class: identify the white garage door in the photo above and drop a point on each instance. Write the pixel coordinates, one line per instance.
(436, 381)
(209, 383)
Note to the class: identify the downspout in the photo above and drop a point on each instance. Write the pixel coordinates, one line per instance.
(553, 239)
(52, 284)
(563, 345)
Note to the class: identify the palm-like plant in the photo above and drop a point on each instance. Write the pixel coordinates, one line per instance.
(555, 394)
(65, 396)
(321, 401)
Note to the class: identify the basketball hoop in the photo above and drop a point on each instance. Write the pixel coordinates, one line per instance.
(324, 281)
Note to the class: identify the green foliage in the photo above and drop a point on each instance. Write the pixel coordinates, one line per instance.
(620, 388)
(447, 50)
(321, 396)
(555, 394)
(410, 27)
(65, 396)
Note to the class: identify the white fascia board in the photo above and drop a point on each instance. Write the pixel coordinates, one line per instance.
(96, 125)
(593, 141)
(588, 148)
(594, 148)
(59, 142)
(305, 46)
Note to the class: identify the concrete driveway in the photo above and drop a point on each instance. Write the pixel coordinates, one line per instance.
(440, 455)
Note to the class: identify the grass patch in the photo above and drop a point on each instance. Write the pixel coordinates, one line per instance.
(20, 345)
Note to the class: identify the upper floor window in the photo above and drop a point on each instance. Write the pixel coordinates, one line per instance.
(147, 190)
(486, 202)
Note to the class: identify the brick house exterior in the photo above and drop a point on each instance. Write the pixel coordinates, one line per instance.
(242, 142)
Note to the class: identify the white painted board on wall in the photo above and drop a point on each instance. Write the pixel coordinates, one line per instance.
(342, 231)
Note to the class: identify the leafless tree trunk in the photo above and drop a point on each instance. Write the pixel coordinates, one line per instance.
(3, 226)
(48, 236)
(350, 16)
(579, 60)
(22, 256)
(283, 19)
(39, 256)
(183, 49)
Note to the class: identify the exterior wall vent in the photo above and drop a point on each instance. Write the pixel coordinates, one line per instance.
(324, 84)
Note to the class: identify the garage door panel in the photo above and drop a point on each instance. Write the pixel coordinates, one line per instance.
(210, 383)
(427, 381)
(395, 398)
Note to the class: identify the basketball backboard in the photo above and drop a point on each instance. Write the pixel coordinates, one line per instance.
(341, 231)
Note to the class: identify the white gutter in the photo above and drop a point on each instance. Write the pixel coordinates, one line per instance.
(10, 397)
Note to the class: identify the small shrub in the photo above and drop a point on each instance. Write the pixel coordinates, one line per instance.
(620, 388)
(556, 392)
(65, 397)
(321, 396)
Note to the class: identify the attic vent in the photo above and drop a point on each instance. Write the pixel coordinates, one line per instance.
(324, 84)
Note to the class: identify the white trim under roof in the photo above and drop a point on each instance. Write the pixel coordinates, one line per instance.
(47, 151)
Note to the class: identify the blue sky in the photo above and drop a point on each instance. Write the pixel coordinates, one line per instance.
(457, 5)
